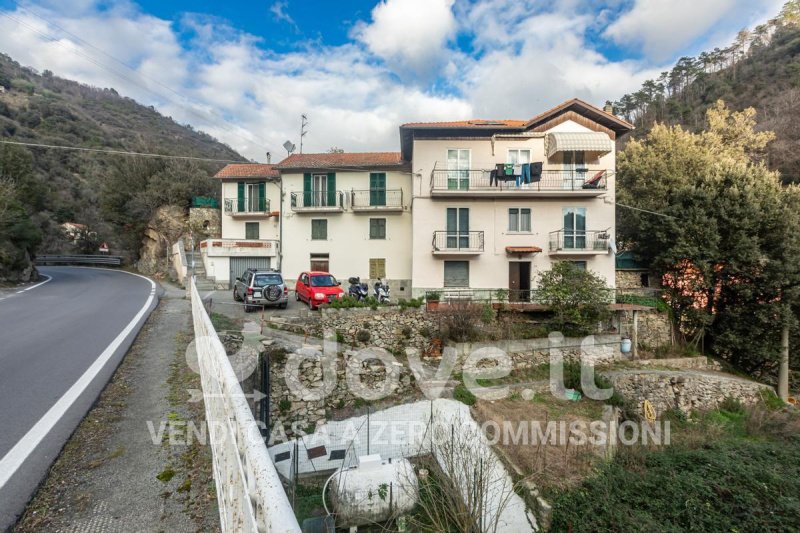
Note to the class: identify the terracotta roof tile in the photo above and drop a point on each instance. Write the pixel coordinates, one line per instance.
(248, 170)
(341, 160)
(472, 123)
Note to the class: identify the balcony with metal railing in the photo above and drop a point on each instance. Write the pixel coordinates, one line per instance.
(579, 242)
(483, 182)
(457, 243)
(247, 207)
(377, 200)
(317, 201)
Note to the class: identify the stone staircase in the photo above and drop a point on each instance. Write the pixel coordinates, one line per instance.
(203, 283)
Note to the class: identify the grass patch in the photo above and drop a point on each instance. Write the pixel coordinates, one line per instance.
(463, 395)
(224, 323)
(166, 475)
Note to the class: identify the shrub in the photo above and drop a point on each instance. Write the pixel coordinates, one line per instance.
(501, 294)
(487, 314)
(433, 296)
(463, 395)
(460, 321)
(363, 336)
(572, 380)
(578, 298)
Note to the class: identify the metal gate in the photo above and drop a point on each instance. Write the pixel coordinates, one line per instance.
(240, 264)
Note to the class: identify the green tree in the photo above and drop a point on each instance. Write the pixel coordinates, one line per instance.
(729, 236)
(578, 298)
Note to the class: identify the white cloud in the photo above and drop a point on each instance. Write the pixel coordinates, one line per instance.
(410, 35)
(278, 10)
(662, 29)
(526, 57)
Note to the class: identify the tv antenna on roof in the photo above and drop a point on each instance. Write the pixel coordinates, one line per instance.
(303, 131)
(290, 147)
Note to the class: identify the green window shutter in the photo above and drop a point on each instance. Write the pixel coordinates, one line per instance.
(319, 229)
(331, 189)
(307, 190)
(377, 188)
(262, 196)
(240, 196)
(377, 228)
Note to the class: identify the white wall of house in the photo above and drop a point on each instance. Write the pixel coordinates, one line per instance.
(348, 244)
(216, 253)
(489, 213)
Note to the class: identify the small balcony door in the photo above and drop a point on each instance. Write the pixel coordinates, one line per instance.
(574, 165)
(377, 189)
(458, 163)
(574, 228)
(457, 228)
(319, 188)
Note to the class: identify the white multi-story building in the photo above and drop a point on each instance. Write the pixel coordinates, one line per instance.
(495, 202)
(251, 205)
(488, 205)
(348, 214)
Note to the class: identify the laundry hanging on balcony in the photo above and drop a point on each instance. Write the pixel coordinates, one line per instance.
(594, 142)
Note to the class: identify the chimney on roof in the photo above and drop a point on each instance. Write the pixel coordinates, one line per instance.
(609, 108)
(269, 157)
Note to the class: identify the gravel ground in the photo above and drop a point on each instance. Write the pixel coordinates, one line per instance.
(111, 476)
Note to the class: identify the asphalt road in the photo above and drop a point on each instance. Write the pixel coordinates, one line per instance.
(60, 342)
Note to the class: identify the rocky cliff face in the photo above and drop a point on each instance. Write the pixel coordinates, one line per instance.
(166, 227)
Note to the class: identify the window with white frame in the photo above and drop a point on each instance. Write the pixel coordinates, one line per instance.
(519, 219)
(518, 156)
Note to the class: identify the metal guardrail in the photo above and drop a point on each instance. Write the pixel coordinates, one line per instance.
(235, 206)
(458, 241)
(108, 260)
(550, 181)
(579, 241)
(317, 201)
(249, 491)
(644, 296)
(376, 199)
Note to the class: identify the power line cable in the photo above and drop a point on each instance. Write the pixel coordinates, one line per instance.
(119, 74)
(645, 211)
(123, 152)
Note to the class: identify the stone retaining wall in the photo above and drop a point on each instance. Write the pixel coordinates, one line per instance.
(391, 328)
(655, 327)
(684, 391)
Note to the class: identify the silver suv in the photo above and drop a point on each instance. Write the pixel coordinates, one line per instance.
(261, 288)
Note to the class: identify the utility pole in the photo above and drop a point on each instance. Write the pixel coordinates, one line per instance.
(303, 130)
(783, 370)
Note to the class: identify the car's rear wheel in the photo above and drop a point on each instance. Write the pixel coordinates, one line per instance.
(297, 296)
(235, 296)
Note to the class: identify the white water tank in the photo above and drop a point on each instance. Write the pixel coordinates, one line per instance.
(374, 491)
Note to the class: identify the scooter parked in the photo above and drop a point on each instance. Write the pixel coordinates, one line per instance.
(382, 292)
(357, 290)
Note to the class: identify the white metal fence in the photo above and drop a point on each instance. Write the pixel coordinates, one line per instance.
(249, 491)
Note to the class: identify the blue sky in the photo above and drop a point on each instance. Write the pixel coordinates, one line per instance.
(245, 71)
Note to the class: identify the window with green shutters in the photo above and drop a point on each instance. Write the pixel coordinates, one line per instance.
(319, 190)
(319, 229)
(251, 230)
(377, 188)
(262, 196)
(377, 228)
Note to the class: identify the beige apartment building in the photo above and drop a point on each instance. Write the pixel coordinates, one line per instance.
(467, 205)
(496, 202)
(348, 214)
(251, 205)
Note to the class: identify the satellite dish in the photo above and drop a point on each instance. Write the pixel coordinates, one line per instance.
(289, 146)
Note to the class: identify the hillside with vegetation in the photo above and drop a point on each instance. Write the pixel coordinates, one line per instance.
(760, 69)
(113, 196)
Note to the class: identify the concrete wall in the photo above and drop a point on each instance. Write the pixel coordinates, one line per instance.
(348, 244)
(490, 268)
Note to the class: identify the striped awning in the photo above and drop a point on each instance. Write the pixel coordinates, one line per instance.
(593, 141)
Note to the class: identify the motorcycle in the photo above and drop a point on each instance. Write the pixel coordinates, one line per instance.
(382, 292)
(357, 290)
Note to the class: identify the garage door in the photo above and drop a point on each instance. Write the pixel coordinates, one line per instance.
(240, 264)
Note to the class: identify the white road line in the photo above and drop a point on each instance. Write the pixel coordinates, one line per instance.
(28, 288)
(22, 449)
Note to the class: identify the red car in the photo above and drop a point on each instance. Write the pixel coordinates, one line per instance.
(317, 288)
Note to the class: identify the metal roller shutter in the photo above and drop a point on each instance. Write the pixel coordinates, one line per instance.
(240, 264)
